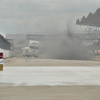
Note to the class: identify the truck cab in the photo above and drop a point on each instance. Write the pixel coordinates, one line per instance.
(34, 46)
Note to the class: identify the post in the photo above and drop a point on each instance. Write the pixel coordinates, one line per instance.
(1, 61)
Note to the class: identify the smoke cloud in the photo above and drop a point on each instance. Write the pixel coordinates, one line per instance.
(66, 46)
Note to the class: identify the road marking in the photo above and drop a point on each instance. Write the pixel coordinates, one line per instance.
(10, 60)
(32, 76)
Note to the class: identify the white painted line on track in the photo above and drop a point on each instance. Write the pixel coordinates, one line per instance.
(32, 76)
(12, 59)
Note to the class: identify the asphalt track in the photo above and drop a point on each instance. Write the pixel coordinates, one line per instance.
(27, 71)
(49, 79)
(31, 61)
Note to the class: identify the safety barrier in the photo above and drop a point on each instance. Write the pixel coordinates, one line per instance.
(1, 61)
(97, 52)
(7, 53)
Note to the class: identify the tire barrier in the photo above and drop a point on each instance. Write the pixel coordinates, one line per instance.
(1, 61)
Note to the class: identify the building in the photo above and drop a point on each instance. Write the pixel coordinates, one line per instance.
(4, 44)
(22, 40)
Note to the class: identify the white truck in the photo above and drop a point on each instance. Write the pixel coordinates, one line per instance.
(26, 51)
(34, 46)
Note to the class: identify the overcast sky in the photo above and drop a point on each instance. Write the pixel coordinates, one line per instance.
(21, 16)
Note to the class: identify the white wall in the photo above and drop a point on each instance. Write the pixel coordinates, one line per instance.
(7, 53)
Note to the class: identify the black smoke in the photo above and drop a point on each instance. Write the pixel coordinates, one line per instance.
(66, 46)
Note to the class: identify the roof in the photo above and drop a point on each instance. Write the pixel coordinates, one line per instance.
(93, 19)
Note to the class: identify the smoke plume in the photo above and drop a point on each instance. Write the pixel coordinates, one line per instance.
(66, 46)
